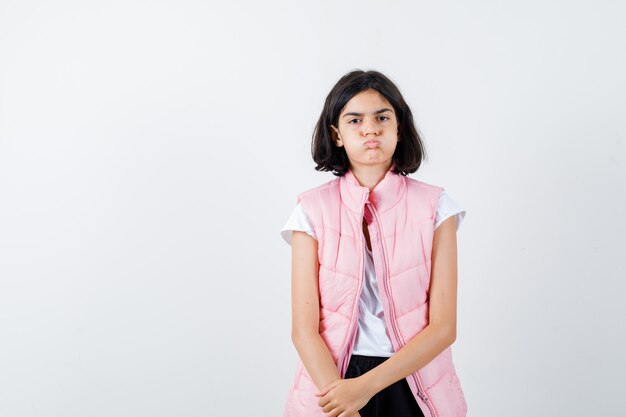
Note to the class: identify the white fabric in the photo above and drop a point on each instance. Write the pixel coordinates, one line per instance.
(372, 338)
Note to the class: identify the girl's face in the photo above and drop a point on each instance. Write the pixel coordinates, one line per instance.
(367, 129)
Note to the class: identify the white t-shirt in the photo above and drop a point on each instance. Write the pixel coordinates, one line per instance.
(372, 338)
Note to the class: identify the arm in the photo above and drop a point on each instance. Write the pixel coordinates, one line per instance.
(441, 329)
(305, 311)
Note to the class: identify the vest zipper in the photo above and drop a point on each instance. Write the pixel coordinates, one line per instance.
(420, 389)
(352, 332)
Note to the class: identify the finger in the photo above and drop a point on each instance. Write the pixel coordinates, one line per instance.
(346, 413)
(334, 412)
(323, 402)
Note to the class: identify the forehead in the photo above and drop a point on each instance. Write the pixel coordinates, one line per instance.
(365, 102)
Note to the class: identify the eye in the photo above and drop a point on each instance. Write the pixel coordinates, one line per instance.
(385, 117)
(350, 121)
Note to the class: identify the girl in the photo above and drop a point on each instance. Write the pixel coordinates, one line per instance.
(374, 267)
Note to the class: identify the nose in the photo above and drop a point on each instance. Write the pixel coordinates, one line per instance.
(369, 127)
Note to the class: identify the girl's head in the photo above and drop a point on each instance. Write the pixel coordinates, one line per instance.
(362, 107)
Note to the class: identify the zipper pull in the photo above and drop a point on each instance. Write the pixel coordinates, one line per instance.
(421, 395)
(367, 213)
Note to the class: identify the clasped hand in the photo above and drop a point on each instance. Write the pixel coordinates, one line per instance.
(344, 397)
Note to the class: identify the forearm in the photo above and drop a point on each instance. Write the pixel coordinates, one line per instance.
(419, 351)
(316, 359)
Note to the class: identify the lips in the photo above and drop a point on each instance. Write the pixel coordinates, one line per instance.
(372, 143)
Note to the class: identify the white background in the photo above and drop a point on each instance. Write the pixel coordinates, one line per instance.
(150, 152)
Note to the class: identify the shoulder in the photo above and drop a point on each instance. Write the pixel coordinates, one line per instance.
(432, 192)
(449, 207)
(297, 221)
(424, 186)
(318, 200)
(312, 194)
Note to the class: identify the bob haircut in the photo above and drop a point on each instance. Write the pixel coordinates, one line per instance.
(410, 151)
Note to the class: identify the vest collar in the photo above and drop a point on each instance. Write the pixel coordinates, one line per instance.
(385, 194)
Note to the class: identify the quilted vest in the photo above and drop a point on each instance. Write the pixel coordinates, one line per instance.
(400, 213)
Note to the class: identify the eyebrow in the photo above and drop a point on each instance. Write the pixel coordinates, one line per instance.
(361, 114)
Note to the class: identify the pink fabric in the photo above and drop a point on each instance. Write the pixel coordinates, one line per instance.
(400, 212)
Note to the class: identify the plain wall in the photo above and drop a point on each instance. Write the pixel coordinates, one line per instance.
(150, 152)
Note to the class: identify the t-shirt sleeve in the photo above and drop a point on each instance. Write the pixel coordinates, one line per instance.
(448, 207)
(297, 221)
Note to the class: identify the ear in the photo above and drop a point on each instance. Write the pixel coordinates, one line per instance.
(336, 136)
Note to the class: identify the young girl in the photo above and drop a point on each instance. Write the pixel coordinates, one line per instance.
(374, 267)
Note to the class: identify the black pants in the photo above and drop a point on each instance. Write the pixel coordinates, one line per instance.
(394, 401)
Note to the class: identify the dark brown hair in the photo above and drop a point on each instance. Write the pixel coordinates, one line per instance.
(410, 150)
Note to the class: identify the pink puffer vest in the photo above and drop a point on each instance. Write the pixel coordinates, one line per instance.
(400, 212)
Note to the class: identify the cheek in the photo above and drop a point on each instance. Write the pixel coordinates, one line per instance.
(388, 147)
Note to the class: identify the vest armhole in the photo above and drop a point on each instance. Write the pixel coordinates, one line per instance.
(435, 207)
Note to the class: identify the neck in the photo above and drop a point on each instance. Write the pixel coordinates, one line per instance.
(368, 175)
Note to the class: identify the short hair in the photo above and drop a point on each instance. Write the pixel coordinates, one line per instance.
(410, 149)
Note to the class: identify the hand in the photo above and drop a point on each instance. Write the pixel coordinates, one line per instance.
(344, 397)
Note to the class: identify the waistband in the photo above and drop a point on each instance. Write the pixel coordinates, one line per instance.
(371, 360)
